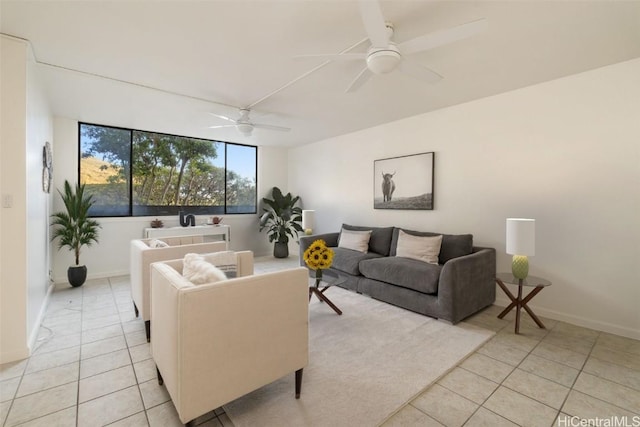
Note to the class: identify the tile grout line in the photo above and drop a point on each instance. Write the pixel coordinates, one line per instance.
(500, 383)
(135, 375)
(79, 362)
(137, 385)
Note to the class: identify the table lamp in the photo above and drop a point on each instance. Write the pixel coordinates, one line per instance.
(308, 221)
(521, 242)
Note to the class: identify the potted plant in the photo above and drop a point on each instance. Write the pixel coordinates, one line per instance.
(74, 228)
(282, 220)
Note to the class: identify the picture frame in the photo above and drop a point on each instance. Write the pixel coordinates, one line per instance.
(404, 182)
(47, 167)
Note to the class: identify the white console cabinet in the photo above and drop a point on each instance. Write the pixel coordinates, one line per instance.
(224, 231)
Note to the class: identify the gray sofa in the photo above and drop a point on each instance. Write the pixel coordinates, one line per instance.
(461, 284)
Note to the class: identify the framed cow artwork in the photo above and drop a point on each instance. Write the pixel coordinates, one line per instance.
(404, 182)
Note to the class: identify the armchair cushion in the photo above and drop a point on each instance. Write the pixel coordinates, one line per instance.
(226, 261)
(198, 271)
(155, 243)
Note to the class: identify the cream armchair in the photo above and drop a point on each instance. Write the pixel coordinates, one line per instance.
(216, 342)
(142, 256)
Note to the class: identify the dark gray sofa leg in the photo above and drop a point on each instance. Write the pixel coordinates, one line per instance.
(147, 329)
(135, 309)
(298, 383)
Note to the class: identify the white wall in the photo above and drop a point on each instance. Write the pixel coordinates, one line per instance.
(25, 126)
(39, 131)
(13, 244)
(564, 152)
(111, 256)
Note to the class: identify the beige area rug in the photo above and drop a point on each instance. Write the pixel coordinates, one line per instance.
(363, 365)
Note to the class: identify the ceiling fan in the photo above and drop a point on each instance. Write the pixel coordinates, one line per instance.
(244, 125)
(384, 55)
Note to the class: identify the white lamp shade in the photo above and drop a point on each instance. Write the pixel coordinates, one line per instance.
(308, 219)
(521, 236)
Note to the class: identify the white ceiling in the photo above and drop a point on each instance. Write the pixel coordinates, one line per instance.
(163, 66)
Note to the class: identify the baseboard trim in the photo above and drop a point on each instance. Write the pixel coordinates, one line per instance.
(102, 275)
(579, 320)
(33, 336)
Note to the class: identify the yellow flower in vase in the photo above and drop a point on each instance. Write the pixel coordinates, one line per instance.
(318, 257)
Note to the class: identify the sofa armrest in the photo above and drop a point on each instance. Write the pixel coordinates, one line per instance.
(467, 284)
(331, 239)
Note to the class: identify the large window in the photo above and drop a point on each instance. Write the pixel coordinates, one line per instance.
(136, 173)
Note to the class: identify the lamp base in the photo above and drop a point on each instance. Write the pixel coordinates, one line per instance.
(520, 266)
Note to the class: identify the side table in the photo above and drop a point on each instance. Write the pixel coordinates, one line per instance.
(329, 278)
(504, 279)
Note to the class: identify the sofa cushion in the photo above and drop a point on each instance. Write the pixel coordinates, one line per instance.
(406, 272)
(380, 241)
(355, 240)
(453, 245)
(421, 248)
(348, 260)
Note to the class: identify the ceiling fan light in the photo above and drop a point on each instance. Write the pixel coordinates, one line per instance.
(383, 61)
(245, 128)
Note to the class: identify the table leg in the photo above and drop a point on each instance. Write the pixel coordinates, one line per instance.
(321, 297)
(528, 298)
(518, 306)
(511, 297)
(519, 303)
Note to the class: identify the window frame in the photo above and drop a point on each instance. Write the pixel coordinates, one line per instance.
(196, 210)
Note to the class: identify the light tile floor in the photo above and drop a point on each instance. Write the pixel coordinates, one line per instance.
(91, 366)
(564, 375)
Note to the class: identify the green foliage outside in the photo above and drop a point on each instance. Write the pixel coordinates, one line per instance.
(167, 170)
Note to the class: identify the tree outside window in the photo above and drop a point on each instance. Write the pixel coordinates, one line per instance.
(139, 173)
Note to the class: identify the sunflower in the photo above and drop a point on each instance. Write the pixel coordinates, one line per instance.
(318, 255)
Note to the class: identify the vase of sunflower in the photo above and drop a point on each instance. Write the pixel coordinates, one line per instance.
(318, 257)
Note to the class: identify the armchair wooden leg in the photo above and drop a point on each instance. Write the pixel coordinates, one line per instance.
(160, 380)
(135, 309)
(298, 383)
(147, 329)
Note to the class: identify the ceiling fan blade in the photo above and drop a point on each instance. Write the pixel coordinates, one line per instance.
(360, 79)
(271, 127)
(335, 57)
(374, 23)
(222, 126)
(419, 72)
(442, 37)
(223, 117)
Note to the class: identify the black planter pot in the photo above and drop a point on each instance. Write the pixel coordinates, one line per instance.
(280, 250)
(77, 275)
